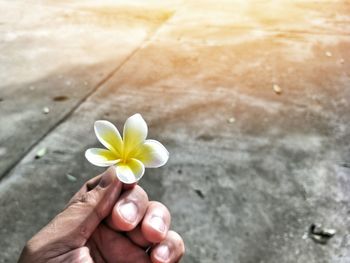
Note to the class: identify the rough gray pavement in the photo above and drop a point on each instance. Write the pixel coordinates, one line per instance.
(55, 56)
(250, 170)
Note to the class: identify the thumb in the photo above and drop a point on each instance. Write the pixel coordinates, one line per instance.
(73, 227)
(88, 207)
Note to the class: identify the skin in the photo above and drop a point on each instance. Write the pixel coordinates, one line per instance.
(107, 221)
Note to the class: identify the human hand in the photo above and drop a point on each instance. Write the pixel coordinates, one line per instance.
(105, 223)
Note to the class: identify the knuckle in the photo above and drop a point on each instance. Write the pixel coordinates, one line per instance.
(89, 202)
(87, 199)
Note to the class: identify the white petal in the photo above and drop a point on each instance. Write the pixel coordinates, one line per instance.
(130, 172)
(135, 133)
(101, 157)
(153, 154)
(109, 136)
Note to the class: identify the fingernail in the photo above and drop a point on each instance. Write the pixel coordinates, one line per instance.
(128, 211)
(106, 179)
(163, 252)
(158, 223)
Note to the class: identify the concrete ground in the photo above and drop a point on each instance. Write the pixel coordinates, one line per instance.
(251, 97)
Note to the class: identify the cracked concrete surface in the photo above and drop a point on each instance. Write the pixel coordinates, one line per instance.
(249, 171)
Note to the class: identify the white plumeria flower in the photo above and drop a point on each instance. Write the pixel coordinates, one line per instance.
(129, 155)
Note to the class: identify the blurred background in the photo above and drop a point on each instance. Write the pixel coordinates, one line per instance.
(251, 98)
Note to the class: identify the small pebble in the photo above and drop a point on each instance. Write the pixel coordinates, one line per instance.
(231, 120)
(346, 165)
(320, 234)
(40, 153)
(305, 236)
(60, 98)
(341, 61)
(199, 193)
(3, 151)
(46, 110)
(277, 89)
(328, 54)
(71, 178)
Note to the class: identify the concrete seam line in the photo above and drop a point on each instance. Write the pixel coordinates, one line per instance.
(8, 171)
